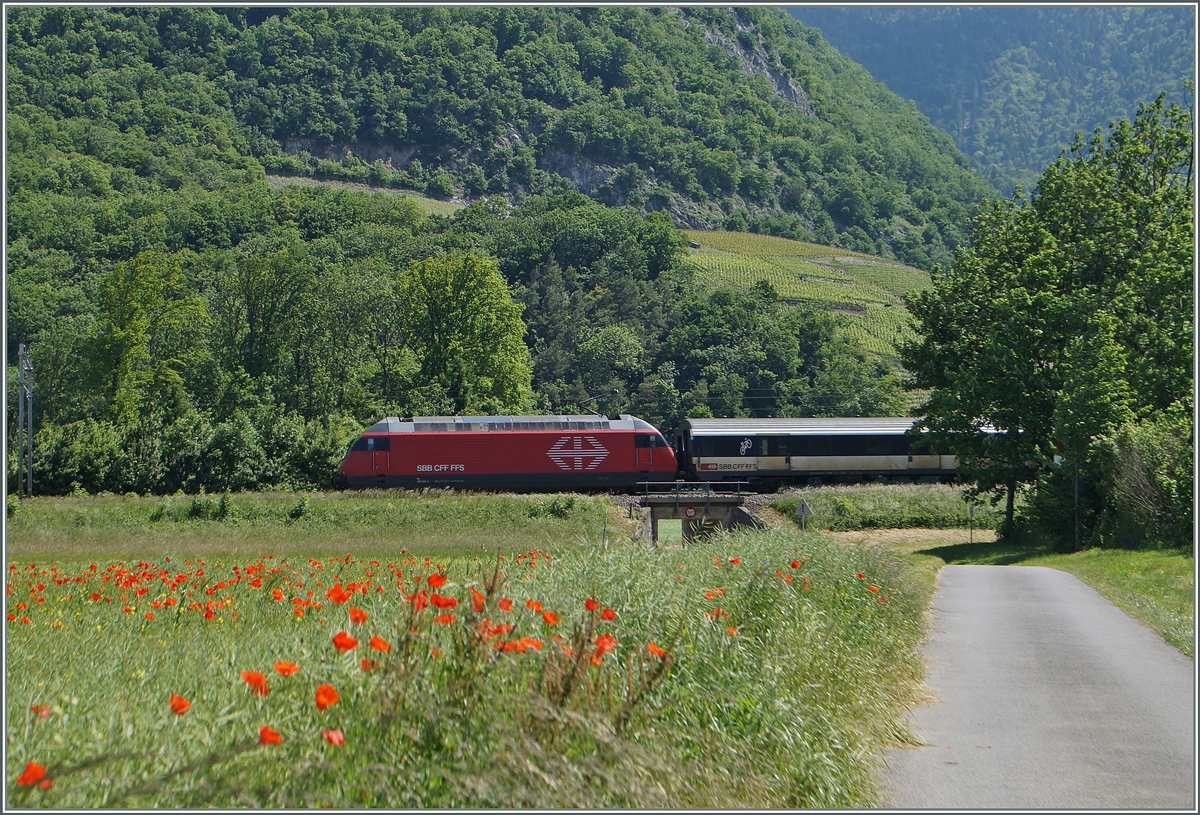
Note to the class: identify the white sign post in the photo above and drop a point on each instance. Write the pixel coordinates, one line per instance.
(803, 510)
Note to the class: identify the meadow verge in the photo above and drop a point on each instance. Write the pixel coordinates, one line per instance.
(759, 669)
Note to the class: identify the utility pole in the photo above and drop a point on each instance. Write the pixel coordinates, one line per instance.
(1076, 503)
(24, 422)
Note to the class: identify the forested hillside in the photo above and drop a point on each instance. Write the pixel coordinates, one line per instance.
(1014, 84)
(706, 113)
(192, 326)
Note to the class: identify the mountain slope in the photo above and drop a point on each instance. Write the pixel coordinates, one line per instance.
(1013, 84)
(724, 118)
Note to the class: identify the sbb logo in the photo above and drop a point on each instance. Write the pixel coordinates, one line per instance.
(578, 453)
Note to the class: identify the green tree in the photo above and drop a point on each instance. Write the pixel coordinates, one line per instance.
(1069, 315)
(462, 323)
(148, 321)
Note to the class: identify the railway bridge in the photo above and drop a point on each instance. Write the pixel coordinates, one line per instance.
(700, 506)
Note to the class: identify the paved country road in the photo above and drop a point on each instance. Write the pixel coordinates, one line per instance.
(1049, 697)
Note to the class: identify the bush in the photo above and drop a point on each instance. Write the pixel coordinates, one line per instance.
(440, 186)
(1152, 484)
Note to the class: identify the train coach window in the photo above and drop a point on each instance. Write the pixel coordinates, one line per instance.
(776, 446)
(886, 445)
(725, 447)
(820, 446)
(849, 445)
(369, 443)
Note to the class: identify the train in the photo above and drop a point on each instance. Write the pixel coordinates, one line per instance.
(586, 453)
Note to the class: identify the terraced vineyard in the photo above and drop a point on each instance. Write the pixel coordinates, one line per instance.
(867, 290)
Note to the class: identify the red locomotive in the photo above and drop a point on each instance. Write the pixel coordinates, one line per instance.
(509, 453)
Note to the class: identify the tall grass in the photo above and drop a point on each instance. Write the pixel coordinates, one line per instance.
(768, 685)
(890, 506)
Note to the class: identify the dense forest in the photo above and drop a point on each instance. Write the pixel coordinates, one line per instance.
(193, 327)
(1014, 84)
(709, 114)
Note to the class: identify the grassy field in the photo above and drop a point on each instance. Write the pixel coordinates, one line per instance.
(864, 288)
(252, 524)
(761, 669)
(431, 206)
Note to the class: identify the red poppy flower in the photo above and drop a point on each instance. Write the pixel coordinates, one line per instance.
(606, 642)
(436, 581)
(334, 737)
(419, 600)
(435, 653)
(504, 604)
(369, 664)
(286, 668)
(42, 711)
(608, 615)
(277, 593)
(32, 774)
(268, 735)
(478, 601)
(591, 604)
(380, 644)
(179, 704)
(357, 615)
(872, 588)
(859, 575)
(735, 560)
(442, 602)
(444, 619)
(795, 564)
(731, 631)
(326, 696)
(530, 642)
(256, 681)
(656, 650)
(344, 642)
(551, 617)
(149, 615)
(534, 606)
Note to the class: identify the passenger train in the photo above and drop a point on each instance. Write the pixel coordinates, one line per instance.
(598, 454)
